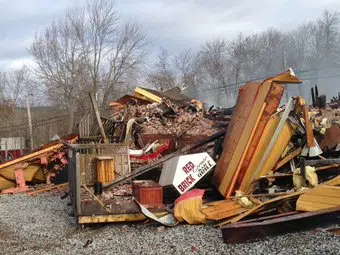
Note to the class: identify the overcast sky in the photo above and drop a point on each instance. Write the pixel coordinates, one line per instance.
(171, 24)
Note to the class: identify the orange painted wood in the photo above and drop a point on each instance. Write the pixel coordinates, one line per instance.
(309, 130)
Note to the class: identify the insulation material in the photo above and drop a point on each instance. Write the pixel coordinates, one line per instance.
(188, 207)
(243, 201)
(311, 177)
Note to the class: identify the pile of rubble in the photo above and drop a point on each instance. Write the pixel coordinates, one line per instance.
(258, 169)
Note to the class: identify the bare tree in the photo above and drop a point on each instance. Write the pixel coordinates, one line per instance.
(15, 85)
(114, 51)
(60, 65)
(89, 49)
(187, 66)
(163, 76)
(214, 67)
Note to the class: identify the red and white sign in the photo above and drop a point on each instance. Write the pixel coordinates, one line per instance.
(185, 171)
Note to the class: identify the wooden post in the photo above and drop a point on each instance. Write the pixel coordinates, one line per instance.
(284, 62)
(99, 121)
(30, 124)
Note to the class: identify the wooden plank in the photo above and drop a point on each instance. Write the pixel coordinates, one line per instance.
(307, 206)
(220, 215)
(230, 168)
(145, 95)
(321, 197)
(111, 218)
(309, 129)
(129, 217)
(45, 189)
(257, 208)
(31, 155)
(99, 121)
(237, 123)
(231, 187)
(285, 160)
(243, 232)
(272, 101)
(334, 182)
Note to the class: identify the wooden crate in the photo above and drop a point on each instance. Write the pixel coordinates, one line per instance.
(148, 193)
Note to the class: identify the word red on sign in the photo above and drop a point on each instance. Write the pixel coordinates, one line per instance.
(188, 167)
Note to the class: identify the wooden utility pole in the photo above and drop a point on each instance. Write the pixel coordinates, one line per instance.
(99, 121)
(30, 124)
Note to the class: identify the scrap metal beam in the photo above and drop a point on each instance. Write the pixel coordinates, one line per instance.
(249, 231)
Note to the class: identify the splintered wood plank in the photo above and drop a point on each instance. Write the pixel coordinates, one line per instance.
(218, 205)
(272, 101)
(220, 215)
(321, 197)
(31, 155)
(222, 210)
(261, 207)
(286, 159)
(309, 129)
(243, 107)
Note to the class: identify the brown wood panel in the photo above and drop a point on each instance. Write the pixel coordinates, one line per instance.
(272, 102)
(250, 126)
(243, 108)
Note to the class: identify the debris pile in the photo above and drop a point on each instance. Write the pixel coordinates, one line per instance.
(258, 169)
(41, 166)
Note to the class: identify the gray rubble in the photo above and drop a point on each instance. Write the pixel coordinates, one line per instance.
(41, 225)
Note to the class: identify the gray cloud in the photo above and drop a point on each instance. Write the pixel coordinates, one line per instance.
(172, 24)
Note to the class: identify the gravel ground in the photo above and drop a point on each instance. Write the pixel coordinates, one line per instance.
(41, 225)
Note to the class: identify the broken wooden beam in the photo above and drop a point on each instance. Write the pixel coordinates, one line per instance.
(99, 121)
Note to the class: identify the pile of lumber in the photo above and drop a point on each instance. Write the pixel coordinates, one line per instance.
(37, 167)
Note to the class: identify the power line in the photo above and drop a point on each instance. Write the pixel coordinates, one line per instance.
(234, 86)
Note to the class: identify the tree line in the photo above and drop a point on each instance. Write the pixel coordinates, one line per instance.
(94, 48)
